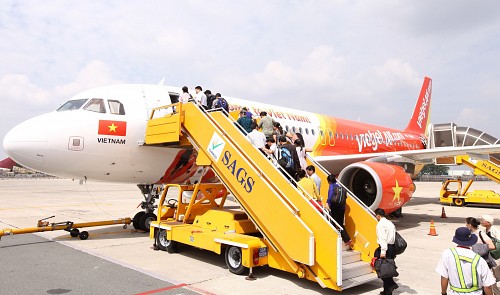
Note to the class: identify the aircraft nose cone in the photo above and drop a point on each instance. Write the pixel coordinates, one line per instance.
(26, 143)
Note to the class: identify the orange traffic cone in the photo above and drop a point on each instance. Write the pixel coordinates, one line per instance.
(432, 231)
(443, 214)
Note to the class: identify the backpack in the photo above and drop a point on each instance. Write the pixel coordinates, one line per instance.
(285, 158)
(223, 104)
(399, 244)
(340, 195)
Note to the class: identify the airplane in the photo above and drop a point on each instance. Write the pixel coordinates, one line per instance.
(99, 135)
(7, 164)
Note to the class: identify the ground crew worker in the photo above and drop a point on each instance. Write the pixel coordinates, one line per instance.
(462, 270)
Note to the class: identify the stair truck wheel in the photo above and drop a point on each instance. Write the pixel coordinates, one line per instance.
(84, 235)
(163, 244)
(233, 260)
(458, 202)
(74, 232)
(137, 218)
(145, 221)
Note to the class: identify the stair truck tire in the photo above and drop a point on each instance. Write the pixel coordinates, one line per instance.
(458, 202)
(163, 244)
(233, 260)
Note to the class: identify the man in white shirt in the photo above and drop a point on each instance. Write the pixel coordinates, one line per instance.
(386, 235)
(493, 233)
(311, 172)
(464, 271)
(257, 138)
(201, 98)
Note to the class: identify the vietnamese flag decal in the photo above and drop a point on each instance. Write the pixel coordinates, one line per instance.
(107, 127)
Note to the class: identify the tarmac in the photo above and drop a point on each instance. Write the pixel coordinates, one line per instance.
(114, 260)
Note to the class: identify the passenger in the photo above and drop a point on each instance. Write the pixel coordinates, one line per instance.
(494, 234)
(491, 231)
(245, 122)
(185, 96)
(277, 130)
(271, 149)
(248, 113)
(308, 186)
(337, 207)
(301, 152)
(267, 124)
(295, 166)
(257, 138)
(210, 98)
(473, 224)
(456, 267)
(386, 235)
(201, 98)
(311, 172)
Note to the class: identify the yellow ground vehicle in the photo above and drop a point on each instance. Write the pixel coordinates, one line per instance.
(275, 223)
(452, 192)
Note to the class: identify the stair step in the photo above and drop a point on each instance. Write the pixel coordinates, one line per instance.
(350, 256)
(356, 281)
(355, 269)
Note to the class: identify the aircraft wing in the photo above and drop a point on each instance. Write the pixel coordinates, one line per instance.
(335, 163)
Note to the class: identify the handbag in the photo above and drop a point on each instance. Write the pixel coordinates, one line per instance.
(399, 244)
(496, 252)
(386, 268)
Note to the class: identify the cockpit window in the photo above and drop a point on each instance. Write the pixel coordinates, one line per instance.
(95, 105)
(72, 105)
(116, 107)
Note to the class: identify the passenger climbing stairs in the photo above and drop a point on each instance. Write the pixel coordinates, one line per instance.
(278, 224)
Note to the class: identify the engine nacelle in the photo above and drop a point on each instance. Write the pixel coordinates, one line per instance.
(378, 185)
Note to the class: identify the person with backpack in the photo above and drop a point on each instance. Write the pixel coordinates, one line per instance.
(220, 103)
(210, 98)
(336, 201)
(287, 157)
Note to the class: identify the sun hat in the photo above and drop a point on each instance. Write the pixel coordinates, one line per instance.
(464, 237)
(487, 218)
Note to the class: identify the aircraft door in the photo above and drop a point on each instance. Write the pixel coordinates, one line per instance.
(331, 137)
(76, 143)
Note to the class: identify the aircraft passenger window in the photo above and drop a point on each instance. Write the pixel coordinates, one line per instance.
(72, 105)
(286, 128)
(321, 133)
(293, 129)
(336, 135)
(116, 107)
(307, 131)
(330, 133)
(313, 132)
(95, 105)
(300, 130)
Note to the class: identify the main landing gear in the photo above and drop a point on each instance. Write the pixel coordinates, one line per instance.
(151, 193)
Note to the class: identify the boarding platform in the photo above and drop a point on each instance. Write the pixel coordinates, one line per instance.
(276, 224)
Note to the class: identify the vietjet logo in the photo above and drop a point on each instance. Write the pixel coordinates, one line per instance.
(425, 104)
(216, 146)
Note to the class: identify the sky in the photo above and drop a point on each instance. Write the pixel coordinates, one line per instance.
(358, 60)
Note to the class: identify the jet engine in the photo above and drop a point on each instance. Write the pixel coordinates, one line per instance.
(378, 185)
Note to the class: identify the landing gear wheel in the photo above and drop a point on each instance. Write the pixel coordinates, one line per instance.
(84, 235)
(398, 212)
(233, 260)
(74, 232)
(145, 221)
(137, 218)
(458, 202)
(163, 244)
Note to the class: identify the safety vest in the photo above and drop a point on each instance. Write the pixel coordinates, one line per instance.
(473, 261)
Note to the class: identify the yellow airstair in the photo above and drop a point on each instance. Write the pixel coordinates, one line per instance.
(452, 193)
(277, 224)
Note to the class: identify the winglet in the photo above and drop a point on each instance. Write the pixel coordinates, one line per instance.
(420, 118)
